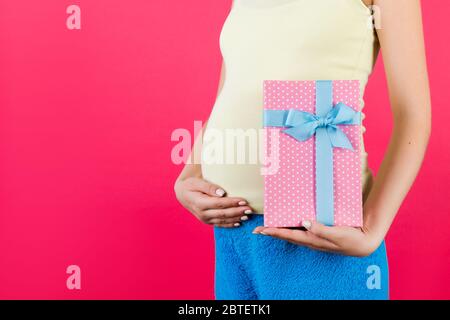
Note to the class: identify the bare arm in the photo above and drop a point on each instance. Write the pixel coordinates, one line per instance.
(401, 39)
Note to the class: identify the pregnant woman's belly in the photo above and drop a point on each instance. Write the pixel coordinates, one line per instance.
(295, 40)
(231, 151)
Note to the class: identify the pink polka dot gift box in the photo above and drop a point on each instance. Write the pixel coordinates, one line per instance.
(312, 152)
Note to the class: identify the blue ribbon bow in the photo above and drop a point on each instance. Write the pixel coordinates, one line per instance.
(303, 125)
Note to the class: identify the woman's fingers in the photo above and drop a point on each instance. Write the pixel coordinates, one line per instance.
(291, 235)
(235, 221)
(228, 218)
(332, 234)
(299, 237)
(228, 225)
(207, 195)
(211, 189)
(210, 205)
(205, 202)
(225, 216)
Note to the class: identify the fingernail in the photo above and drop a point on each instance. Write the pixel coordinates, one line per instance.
(220, 192)
(244, 218)
(237, 224)
(307, 224)
(259, 232)
(242, 203)
(248, 211)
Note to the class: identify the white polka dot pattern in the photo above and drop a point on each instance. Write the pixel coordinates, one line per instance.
(289, 194)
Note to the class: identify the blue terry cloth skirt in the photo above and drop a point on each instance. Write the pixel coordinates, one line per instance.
(251, 267)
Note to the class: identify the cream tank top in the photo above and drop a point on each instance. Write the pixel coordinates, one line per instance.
(280, 40)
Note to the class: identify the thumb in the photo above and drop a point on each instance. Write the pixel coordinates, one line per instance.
(209, 188)
(319, 229)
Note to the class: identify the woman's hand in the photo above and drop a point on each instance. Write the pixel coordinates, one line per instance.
(359, 242)
(208, 203)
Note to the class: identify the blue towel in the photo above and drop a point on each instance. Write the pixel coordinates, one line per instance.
(250, 267)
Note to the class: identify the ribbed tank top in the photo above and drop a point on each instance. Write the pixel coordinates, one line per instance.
(282, 40)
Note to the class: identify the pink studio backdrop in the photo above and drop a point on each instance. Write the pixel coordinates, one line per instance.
(85, 171)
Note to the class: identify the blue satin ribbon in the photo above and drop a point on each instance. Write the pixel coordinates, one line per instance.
(303, 125)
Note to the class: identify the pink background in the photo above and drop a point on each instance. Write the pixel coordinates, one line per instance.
(85, 171)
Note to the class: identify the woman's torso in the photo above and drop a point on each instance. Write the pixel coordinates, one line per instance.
(281, 40)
